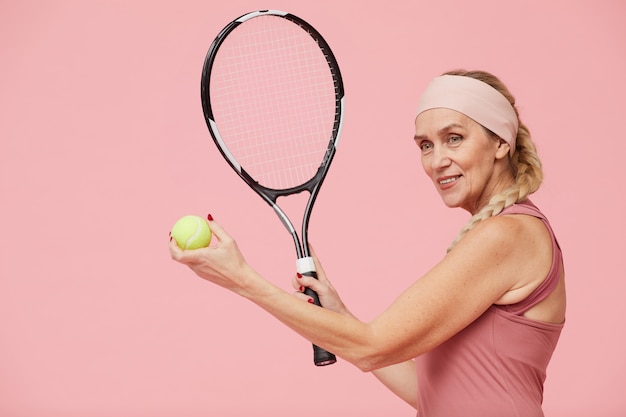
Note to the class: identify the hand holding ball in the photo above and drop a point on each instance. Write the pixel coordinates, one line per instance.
(192, 232)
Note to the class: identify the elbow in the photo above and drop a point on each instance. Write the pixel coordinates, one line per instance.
(375, 350)
(374, 359)
(372, 353)
(371, 362)
(365, 365)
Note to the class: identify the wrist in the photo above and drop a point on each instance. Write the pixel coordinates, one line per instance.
(252, 285)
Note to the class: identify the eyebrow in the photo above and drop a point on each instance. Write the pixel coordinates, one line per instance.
(440, 132)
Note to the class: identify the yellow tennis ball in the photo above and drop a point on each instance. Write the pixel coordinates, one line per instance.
(192, 232)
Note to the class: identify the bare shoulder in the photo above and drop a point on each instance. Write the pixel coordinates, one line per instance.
(519, 245)
(508, 233)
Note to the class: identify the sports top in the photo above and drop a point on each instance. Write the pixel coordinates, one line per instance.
(496, 366)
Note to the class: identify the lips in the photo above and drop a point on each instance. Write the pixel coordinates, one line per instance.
(448, 181)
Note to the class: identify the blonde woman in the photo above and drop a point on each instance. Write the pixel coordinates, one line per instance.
(478, 330)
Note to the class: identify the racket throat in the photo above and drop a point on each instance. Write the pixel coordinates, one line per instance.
(300, 251)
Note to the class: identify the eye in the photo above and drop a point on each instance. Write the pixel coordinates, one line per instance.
(455, 139)
(425, 146)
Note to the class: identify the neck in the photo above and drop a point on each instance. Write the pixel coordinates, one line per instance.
(500, 182)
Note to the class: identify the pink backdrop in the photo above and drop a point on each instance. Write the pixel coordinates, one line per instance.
(103, 147)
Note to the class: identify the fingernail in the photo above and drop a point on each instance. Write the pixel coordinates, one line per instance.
(171, 238)
(310, 300)
(299, 275)
(301, 288)
(209, 217)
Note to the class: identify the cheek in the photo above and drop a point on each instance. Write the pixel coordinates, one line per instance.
(480, 174)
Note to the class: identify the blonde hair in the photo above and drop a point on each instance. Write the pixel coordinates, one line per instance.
(525, 163)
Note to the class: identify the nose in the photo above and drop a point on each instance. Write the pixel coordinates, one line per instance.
(439, 158)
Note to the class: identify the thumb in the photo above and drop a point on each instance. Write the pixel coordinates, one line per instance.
(217, 230)
(321, 274)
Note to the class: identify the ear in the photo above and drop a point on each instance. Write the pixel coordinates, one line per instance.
(503, 149)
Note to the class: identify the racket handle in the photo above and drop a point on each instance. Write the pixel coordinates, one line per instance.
(321, 357)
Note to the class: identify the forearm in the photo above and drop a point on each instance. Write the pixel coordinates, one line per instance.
(340, 333)
(393, 337)
(343, 335)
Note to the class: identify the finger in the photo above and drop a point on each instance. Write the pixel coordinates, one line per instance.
(309, 282)
(183, 256)
(295, 283)
(321, 274)
(218, 230)
(175, 252)
(300, 282)
(301, 296)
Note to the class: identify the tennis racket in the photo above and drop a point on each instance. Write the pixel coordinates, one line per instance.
(273, 100)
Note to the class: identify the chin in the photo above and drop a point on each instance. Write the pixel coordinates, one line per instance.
(457, 198)
(451, 205)
(450, 202)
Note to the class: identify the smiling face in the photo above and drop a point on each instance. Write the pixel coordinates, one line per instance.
(466, 163)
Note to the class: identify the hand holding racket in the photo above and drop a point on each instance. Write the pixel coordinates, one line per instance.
(272, 96)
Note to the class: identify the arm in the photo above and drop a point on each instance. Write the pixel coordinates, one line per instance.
(401, 378)
(449, 297)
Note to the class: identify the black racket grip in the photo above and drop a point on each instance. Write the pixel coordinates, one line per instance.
(321, 357)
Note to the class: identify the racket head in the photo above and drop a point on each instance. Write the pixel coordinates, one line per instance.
(273, 98)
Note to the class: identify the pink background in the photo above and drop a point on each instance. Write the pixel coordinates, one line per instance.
(104, 146)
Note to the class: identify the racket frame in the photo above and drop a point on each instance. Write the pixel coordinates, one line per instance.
(304, 263)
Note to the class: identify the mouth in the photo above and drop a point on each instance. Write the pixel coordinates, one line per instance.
(448, 181)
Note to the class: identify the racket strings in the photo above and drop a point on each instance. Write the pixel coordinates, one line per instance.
(274, 101)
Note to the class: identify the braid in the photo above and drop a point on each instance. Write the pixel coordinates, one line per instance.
(525, 164)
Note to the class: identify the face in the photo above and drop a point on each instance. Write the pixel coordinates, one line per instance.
(465, 162)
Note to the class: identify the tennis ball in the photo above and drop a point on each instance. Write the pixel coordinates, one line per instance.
(192, 232)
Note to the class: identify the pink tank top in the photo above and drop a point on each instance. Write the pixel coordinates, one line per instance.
(496, 366)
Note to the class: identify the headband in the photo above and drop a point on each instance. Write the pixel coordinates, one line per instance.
(475, 99)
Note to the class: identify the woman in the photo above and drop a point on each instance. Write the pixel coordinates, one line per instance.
(478, 330)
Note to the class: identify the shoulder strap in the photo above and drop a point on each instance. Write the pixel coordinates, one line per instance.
(552, 279)
(525, 207)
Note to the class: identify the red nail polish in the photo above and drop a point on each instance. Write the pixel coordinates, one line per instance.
(299, 275)
(301, 288)
(171, 238)
(209, 217)
(310, 300)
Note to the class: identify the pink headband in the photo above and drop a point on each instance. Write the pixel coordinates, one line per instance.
(475, 99)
